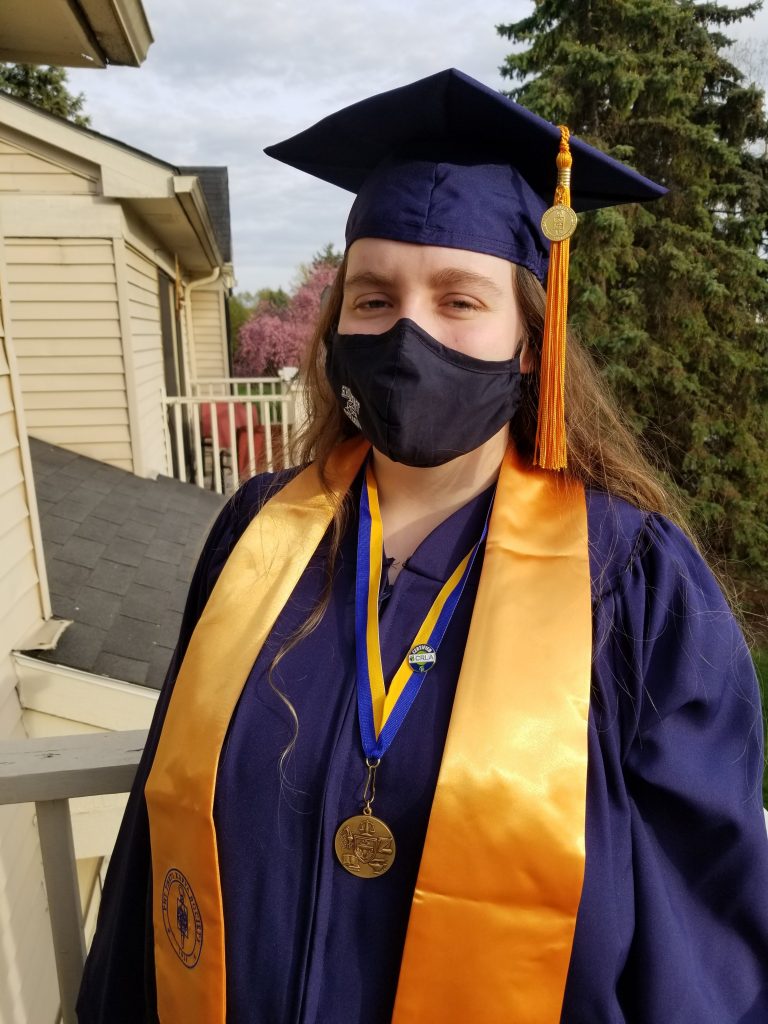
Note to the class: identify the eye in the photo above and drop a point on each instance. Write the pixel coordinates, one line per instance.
(462, 303)
(366, 304)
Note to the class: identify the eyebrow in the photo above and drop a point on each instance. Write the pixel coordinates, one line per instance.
(367, 277)
(457, 276)
(447, 277)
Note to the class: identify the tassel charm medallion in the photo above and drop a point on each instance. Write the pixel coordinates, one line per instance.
(558, 223)
(364, 844)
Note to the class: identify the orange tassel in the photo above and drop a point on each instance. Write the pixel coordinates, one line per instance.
(558, 224)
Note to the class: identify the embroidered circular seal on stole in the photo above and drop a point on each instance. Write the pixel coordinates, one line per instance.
(182, 918)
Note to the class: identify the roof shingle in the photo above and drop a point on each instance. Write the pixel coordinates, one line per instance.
(119, 551)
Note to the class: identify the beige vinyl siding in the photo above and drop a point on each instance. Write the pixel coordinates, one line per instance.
(147, 346)
(209, 331)
(67, 337)
(26, 172)
(20, 605)
(28, 990)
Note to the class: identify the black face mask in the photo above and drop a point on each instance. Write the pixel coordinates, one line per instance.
(417, 401)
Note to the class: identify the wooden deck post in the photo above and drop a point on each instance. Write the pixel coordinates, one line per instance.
(54, 826)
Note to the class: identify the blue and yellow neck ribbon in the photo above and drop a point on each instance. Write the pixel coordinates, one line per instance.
(382, 711)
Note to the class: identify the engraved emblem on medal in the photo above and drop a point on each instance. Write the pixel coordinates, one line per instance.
(558, 223)
(364, 844)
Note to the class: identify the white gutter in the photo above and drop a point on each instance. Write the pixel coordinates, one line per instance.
(78, 696)
(199, 282)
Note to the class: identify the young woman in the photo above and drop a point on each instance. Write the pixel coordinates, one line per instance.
(449, 735)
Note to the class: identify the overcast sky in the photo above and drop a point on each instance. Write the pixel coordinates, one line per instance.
(222, 81)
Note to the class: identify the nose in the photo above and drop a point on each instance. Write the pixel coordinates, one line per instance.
(415, 306)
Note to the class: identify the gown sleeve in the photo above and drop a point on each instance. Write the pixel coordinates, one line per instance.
(119, 977)
(691, 758)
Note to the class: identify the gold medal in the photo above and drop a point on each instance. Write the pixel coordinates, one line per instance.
(558, 223)
(363, 843)
(365, 846)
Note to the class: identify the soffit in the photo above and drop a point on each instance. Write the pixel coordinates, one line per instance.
(74, 33)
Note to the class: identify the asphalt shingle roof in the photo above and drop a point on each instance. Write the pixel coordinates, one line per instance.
(214, 182)
(120, 551)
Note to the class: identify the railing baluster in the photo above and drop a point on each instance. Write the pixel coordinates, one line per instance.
(179, 442)
(267, 421)
(249, 428)
(215, 449)
(284, 430)
(197, 440)
(166, 432)
(233, 446)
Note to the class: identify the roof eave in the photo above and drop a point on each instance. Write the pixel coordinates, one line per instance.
(189, 193)
(87, 34)
(181, 223)
(121, 28)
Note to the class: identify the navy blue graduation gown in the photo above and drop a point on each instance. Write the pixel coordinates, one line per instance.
(673, 921)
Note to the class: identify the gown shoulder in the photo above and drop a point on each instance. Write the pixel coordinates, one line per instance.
(677, 752)
(661, 614)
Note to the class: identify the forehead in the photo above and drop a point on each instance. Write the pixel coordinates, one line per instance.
(406, 260)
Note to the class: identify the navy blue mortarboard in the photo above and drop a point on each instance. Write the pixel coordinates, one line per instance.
(447, 161)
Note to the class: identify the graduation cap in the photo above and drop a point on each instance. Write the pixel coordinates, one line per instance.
(447, 161)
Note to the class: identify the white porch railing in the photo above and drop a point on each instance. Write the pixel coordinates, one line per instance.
(259, 386)
(238, 427)
(49, 772)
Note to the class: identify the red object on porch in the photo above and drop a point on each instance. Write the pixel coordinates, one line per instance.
(241, 432)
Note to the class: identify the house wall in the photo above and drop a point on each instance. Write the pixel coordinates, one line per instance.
(85, 307)
(83, 286)
(24, 172)
(209, 332)
(67, 335)
(146, 343)
(28, 986)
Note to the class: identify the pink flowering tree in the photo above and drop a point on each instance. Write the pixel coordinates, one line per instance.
(278, 336)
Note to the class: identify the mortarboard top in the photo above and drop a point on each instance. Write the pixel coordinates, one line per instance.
(447, 161)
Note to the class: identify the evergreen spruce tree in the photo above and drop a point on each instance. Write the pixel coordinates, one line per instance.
(46, 87)
(671, 297)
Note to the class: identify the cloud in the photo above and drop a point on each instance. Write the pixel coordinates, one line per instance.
(221, 82)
